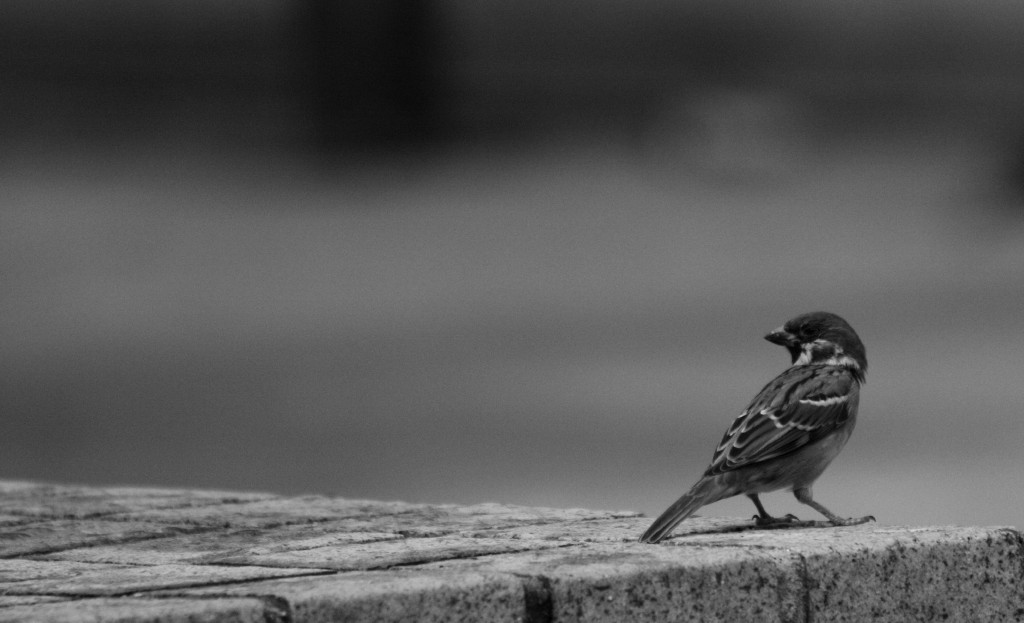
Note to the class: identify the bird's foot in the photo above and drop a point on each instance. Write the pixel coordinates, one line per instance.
(768, 520)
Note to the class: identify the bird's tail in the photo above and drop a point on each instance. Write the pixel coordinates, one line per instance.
(706, 491)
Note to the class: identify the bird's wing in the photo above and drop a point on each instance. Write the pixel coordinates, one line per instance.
(800, 406)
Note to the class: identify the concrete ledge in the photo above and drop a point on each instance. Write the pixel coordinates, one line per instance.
(127, 554)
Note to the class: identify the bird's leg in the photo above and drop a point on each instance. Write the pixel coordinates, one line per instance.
(803, 495)
(762, 518)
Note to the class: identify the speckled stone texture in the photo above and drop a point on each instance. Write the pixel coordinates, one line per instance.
(124, 554)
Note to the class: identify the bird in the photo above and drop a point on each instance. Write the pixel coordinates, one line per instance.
(790, 432)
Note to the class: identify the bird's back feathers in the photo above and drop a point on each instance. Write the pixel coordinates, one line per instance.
(798, 407)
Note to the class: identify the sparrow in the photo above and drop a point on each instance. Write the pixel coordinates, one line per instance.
(792, 429)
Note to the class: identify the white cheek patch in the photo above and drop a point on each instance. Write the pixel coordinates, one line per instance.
(809, 350)
(839, 359)
(822, 351)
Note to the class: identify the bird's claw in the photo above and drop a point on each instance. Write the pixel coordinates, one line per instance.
(775, 521)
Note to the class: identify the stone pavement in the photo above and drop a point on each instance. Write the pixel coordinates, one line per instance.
(72, 553)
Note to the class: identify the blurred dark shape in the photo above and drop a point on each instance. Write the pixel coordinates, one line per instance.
(1014, 176)
(533, 68)
(117, 73)
(373, 70)
(334, 75)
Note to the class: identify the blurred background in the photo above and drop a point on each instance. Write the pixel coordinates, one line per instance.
(464, 251)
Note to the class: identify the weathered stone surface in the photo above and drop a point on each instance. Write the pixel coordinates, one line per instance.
(59, 578)
(27, 600)
(385, 554)
(123, 554)
(957, 574)
(427, 595)
(365, 515)
(266, 513)
(341, 542)
(12, 487)
(60, 501)
(41, 536)
(215, 545)
(138, 610)
(635, 582)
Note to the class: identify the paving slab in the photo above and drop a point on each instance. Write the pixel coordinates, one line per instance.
(38, 537)
(66, 501)
(140, 610)
(406, 594)
(139, 554)
(63, 579)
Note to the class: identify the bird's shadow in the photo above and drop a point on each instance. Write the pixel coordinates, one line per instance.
(781, 524)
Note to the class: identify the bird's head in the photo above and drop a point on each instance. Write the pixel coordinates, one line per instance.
(821, 337)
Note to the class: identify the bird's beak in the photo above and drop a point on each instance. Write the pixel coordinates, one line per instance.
(783, 338)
